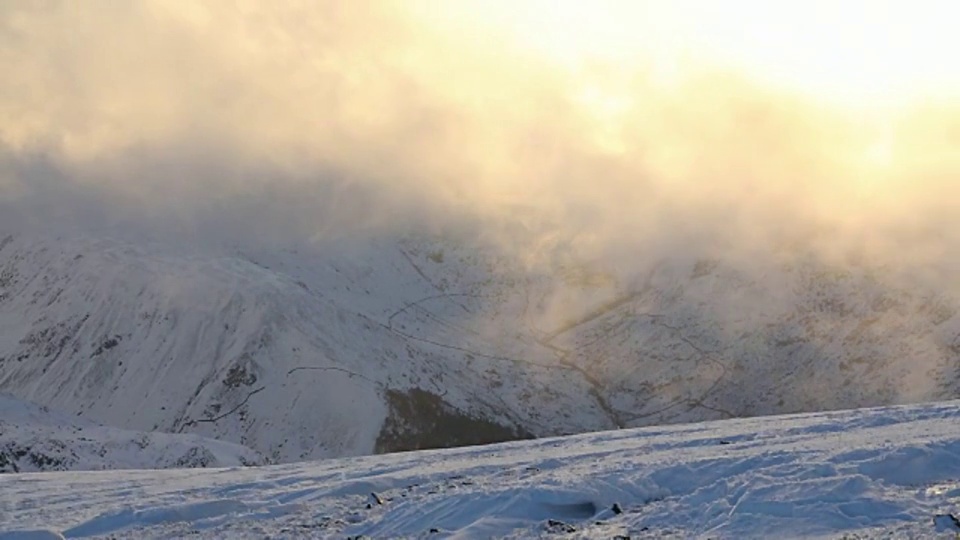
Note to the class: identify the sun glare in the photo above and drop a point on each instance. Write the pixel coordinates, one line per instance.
(858, 51)
(863, 52)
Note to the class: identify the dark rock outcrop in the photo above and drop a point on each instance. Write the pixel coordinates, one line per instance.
(421, 420)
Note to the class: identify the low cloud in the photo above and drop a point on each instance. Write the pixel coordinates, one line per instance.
(607, 140)
(235, 120)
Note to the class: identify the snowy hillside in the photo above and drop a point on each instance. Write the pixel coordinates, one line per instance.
(882, 473)
(34, 438)
(292, 356)
(381, 344)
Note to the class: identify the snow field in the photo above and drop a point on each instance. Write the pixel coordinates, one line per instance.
(887, 472)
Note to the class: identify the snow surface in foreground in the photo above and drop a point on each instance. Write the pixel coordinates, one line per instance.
(884, 472)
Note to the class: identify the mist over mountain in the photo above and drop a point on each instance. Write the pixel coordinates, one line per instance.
(334, 229)
(419, 342)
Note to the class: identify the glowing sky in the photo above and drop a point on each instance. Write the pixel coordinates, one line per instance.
(598, 123)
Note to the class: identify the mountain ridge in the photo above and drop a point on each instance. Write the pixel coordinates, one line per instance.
(37, 439)
(320, 352)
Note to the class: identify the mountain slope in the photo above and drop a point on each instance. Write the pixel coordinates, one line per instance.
(380, 344)
(295, 361)
(35, 439)
(881, 473)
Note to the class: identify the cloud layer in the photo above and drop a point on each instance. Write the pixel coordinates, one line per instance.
(245, 120)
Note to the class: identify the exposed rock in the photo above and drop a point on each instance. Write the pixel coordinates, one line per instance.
(420, 420)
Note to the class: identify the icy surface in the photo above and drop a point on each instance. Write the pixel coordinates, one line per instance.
(890, 473)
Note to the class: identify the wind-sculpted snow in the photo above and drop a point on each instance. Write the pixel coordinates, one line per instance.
(375, 344)
(880, 473)
(34, 439)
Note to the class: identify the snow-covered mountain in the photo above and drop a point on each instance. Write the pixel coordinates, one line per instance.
(881, 473)
(34, 438)
(388, 344)
(293, 355)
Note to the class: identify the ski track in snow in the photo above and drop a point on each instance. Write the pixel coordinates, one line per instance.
(886, 472)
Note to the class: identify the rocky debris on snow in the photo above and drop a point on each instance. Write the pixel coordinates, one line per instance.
(557, 526)
(946, 522)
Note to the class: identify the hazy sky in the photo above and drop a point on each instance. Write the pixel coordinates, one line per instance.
(608, 126)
